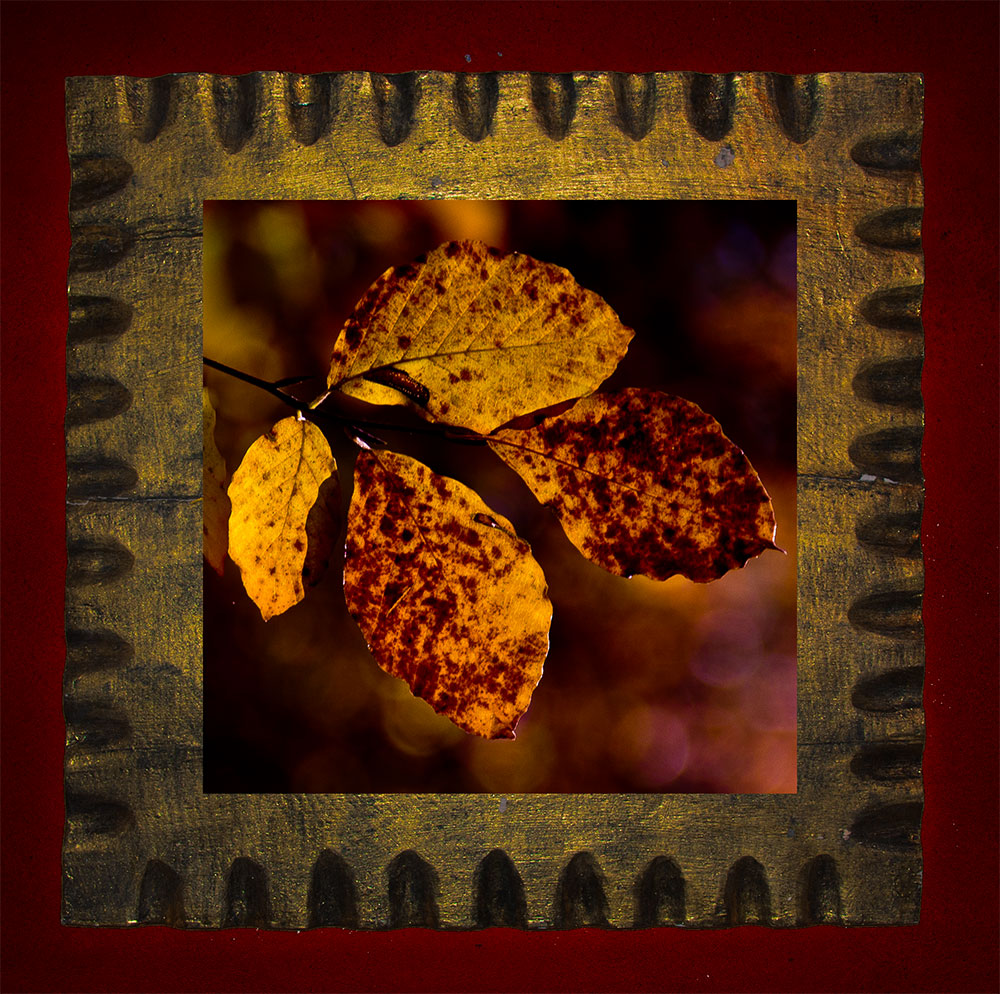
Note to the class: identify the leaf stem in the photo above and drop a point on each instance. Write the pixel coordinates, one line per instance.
(311, 411)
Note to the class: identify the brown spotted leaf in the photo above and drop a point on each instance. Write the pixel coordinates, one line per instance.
(645, 483)
(448, 597)
(215, 500)
(271, 528)
(476, 337)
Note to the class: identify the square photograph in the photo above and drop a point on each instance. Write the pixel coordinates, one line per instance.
(500, 496)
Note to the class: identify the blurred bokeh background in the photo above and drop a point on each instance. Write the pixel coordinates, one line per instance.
(662, 687)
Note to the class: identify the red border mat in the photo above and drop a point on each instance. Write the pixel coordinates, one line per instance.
(954, 45)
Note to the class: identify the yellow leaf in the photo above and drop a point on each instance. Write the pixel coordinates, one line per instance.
(475, 338)
(273, 492)
(645, 483)
(448, 597)
(215, 501)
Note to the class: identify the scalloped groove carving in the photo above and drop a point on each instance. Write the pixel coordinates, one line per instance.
(553, 96)
(821, 892)
(149, 103)
(396, 98)
(161, 896)
(660, 894)
(500, 899)
(97, 318)
(94, 398)
(413, 892)
(580, 897)
(747, 894)
(797, 103)
(710, 99)
(897, 228)
(888, 761)
(248, 898)
(332, 898)
(95, 247)
(878, 154)
(476, 96)
(894, 827)
(95, 177)
(93, 562)
(897, 534)
(235, 99)
(99, 478)
(895, 382)
(890, 454)
(312, 104)
(92, 651)
(892, 613)
(895, 690)
(635, 102)
(896, 309)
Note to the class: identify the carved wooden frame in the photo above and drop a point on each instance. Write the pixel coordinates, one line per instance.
(144, 844)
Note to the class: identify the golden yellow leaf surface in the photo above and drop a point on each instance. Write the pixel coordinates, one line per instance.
(215, 500)
(643, 482)
(273, 493)
(476, 337)
(448, 597)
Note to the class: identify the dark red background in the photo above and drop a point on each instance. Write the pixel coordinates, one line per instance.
(954, 45)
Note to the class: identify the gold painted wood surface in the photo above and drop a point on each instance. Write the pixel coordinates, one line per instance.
(144, 844)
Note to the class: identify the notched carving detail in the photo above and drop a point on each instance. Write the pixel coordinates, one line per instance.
(91, 562)
(248, 898)
(709, 103)
(882, 154)
(92, 815)
(332, 898)
(888, 761)
(396, 98)
(895, 690)
(797, 103)
(500, 899)
(580, 897)
(895, 382)
(96, 477)
(891, 454)
(476, 96)
(895, 309)
(312, 103)
(892, 613)
(553, 95)
(413, 890)
(92, 651)
(97, 318)
(95, 399)
(161, 896)
(892, 827)
(95, 177)
(95, 247)
(747, 894)
(95, 725)
(149, 102)
(821, 901)
(235, 99)
(635, 102)
(660, 894)
(895, 533)
(897, 228)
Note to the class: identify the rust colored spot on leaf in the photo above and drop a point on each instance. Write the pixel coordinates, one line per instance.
(525, 333)
(645, 483)
(272, 530)
(464, 623)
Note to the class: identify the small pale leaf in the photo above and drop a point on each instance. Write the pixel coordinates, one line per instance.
(448, 597)
(476, 337)
(643, 482)
(270, 531)
(215, 500)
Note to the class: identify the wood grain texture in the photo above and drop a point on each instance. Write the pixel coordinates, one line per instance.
(143, 843)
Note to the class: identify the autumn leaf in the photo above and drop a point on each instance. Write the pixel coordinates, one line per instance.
(643, 482)
(448, 597)
(272, 528)
(476, 337)
(215, 500)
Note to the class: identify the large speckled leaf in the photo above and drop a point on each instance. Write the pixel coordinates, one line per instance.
(448, 597)
(475, 337)
(273, 526)
(215, 500)
(645, 483)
